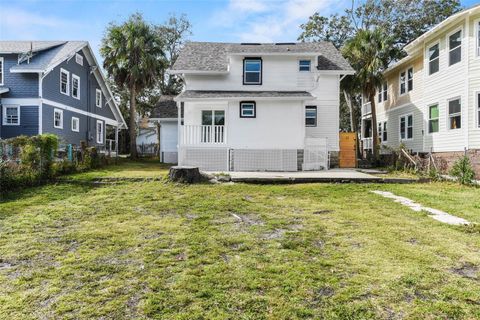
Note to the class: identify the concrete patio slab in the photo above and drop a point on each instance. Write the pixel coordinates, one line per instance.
(327, 176)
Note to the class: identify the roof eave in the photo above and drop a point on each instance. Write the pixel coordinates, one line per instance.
(337, 72)
(25, 70)
(205, 72)
(180, 99)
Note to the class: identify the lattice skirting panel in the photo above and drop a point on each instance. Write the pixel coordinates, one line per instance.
(264, 160)
(207, 159)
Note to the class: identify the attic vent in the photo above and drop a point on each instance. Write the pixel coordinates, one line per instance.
(285, 43)
(250, 44)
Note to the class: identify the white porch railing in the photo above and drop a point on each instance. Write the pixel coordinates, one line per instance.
(203, 135)
(366, 109)
(367, 143)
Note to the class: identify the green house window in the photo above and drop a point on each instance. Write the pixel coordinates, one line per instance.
(433, 119)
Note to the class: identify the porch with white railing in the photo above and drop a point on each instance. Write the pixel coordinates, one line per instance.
(366, 109)
(367, 143)
(197, 135)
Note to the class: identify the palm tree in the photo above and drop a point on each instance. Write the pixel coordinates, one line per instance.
(133, 57)
(369, 53)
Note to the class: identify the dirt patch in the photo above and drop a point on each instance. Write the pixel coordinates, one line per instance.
(325, 292)
(191, 216)
(181, 257)
(466, 270)
(5, 265)
(275, 234)
(413, 241)
(323, 211)
(248, 219)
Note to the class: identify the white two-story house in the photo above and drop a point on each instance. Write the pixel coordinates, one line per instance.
(259, 107)
(430, 100)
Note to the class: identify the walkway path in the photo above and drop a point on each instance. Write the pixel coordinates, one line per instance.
(433, 213)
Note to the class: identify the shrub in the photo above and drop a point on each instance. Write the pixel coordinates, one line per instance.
(463, 170)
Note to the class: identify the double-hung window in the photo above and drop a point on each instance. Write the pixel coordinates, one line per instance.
(406, 127)
(100, 131)
(434, 59)
(252, 71)
(1, 71)
(76, 86)
(454, 114)
(304, 65)
(382, 92)
(478, 37)
(98, 98)
(455, 48)
(382, 131)
(64, 81)
(11, 115)
(247, 109)
(478, 109)
(433, 118)
(406, 81)
(75, 124)
(311, 116)
(58, 118)
(385, 135)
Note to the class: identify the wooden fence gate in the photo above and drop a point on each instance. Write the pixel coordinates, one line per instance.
(348, 152)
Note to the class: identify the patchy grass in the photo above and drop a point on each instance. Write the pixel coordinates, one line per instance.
(165, 251)
(125, 169)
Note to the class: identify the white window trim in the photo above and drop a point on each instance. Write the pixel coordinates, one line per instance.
(61, 118)
(79, 59)
(477, 42)
(385, 129)
(477, 115)
(447, 45)
(68, 82)
(406, 127)
(2, 69)
(447, 107)
(4, 114)
(74, 76)
(428, 119)
(406, 80)
(96, 131)
(97, 91)
(381, 92)
(78, 124)
(427, 62)
(253, 115)
(309, 68)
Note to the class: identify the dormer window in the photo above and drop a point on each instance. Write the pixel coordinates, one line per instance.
(252, 71)
(304, 65)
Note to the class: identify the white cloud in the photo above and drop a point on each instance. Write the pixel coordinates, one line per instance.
(268, 20)
(22, 24)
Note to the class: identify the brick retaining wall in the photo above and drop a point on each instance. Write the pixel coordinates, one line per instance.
(449, 159)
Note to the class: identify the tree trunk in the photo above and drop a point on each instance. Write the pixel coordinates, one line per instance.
(133, 125)
(348, 101)
(375, 150)
(159, 127)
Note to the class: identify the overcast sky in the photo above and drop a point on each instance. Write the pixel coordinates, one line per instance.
(213, 20)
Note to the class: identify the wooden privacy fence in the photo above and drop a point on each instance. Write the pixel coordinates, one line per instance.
(348, 150)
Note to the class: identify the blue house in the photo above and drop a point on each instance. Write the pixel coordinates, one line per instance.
(56, 87)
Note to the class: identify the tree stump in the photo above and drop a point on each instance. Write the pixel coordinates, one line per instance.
(184, 174)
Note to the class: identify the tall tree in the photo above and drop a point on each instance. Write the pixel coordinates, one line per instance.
(369, 51)
(134, 58)
(174, 32)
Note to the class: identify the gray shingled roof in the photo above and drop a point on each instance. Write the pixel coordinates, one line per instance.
(25, 46)
(207, 94)
(44, 59)
(213, 56)
(165, 108)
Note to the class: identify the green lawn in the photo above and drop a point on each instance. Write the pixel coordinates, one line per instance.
(159, 250)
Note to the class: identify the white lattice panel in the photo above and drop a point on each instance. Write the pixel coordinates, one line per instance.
(315, 154)
(207, 159)
(264, 160)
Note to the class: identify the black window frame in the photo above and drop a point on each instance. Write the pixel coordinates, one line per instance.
(261, 71)
(300, 65)
(254, 109)
(316, 116)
